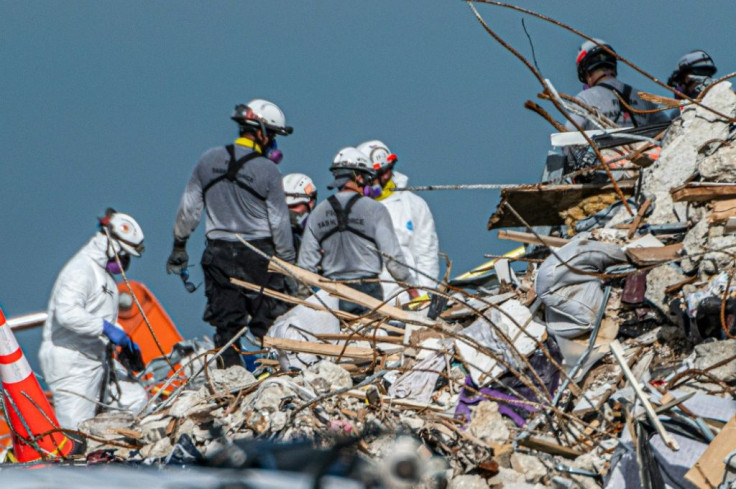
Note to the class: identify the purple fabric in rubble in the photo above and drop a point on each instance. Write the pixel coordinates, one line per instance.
(508, 404)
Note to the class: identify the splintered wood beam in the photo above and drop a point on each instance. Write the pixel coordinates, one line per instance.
(703, 191)
(277, 265)
(324, 349)
(655, 254)
(530, 238)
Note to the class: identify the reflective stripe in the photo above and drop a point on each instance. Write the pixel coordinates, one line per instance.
(15, 372)
(8, 343)
(12, 358)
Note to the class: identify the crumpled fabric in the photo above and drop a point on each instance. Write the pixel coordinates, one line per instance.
(418, 384)
(302, 323)
(572, 300)
(509, 391)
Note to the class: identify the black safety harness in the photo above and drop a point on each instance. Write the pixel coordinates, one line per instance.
(625, 95)
(231, 175)
(343, 220)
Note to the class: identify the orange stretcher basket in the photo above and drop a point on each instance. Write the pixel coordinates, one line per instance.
(133, 323)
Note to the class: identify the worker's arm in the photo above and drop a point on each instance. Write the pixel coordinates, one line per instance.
(388, 243)
(278, 215)
(309, 252)
(190, 205)
(424, 244)
(70, 298)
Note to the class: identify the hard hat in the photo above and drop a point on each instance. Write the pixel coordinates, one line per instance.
(346, 163)
(299, 189)
(262, 114)
(592, 56)
(381, 157)
(697, 62)
(124, 232)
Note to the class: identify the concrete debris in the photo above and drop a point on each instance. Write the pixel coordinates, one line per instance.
(544, 402)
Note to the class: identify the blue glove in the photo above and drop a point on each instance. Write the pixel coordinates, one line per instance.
(117, 336)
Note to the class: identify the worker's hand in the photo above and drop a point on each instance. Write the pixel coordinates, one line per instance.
(413, 293)
(178, 259)
(131, 358)
(117, 336)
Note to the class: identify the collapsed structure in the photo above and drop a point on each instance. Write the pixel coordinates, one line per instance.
(603, 358)
(601, 353)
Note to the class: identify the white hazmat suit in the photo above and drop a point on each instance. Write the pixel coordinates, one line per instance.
(414, 226)
(72, 352)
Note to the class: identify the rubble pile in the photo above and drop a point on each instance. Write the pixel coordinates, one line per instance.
(602, 357)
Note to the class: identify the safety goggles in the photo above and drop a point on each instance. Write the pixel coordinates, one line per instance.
(184, 274)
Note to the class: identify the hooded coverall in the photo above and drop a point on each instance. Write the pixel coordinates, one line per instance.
(414, 227)
(73, 351)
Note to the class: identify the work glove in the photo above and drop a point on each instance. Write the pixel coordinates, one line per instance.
(178, 259)
(117, 336)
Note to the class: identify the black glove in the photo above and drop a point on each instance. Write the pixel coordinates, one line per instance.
(178, 259)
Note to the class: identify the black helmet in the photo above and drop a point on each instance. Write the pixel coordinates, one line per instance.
(592, 56)
(696, 62)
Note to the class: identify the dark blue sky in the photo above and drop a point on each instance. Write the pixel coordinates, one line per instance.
(111, 104)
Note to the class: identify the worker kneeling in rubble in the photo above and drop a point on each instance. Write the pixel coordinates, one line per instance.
(348, 233)
(412, 221)
(80, 329)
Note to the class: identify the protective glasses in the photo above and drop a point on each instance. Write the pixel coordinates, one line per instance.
(184, 274)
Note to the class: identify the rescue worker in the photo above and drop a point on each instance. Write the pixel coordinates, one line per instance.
(240, 188)
(82, 312)
(597, 70)
(301, 197)
(693, 73)
(347, 234)
(411, 218)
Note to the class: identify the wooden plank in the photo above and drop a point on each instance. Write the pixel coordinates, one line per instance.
(325, 349)
(530, 238)
(618, 354)
(552, 448)
(357, 337)
(671, 289)
(703, 191)
(342, 290)
(291, 299)
(639, 216)
(708, 470)
(654, 254)
(541, 205)
(721, 210)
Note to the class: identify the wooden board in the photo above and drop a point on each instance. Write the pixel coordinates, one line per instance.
(703, 191)
(708, 470)
(530, 238)
(341, 290)
(324, 349)
(655, 254)
(721, 210)
(540, 205)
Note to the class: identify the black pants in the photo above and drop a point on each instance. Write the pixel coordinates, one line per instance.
(373, 289)
(228, 306)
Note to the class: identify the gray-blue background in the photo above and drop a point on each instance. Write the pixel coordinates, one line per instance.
(111, 103)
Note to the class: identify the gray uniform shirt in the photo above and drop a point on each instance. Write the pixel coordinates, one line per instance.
(232, 209)
(607, 103)
(347, 255)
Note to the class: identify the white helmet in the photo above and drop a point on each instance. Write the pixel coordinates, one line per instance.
(347, 162)
(381, 157)
(124, 232)
(262, 114)
(299, 189)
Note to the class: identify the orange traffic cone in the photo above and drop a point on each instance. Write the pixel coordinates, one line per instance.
(26, 407)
